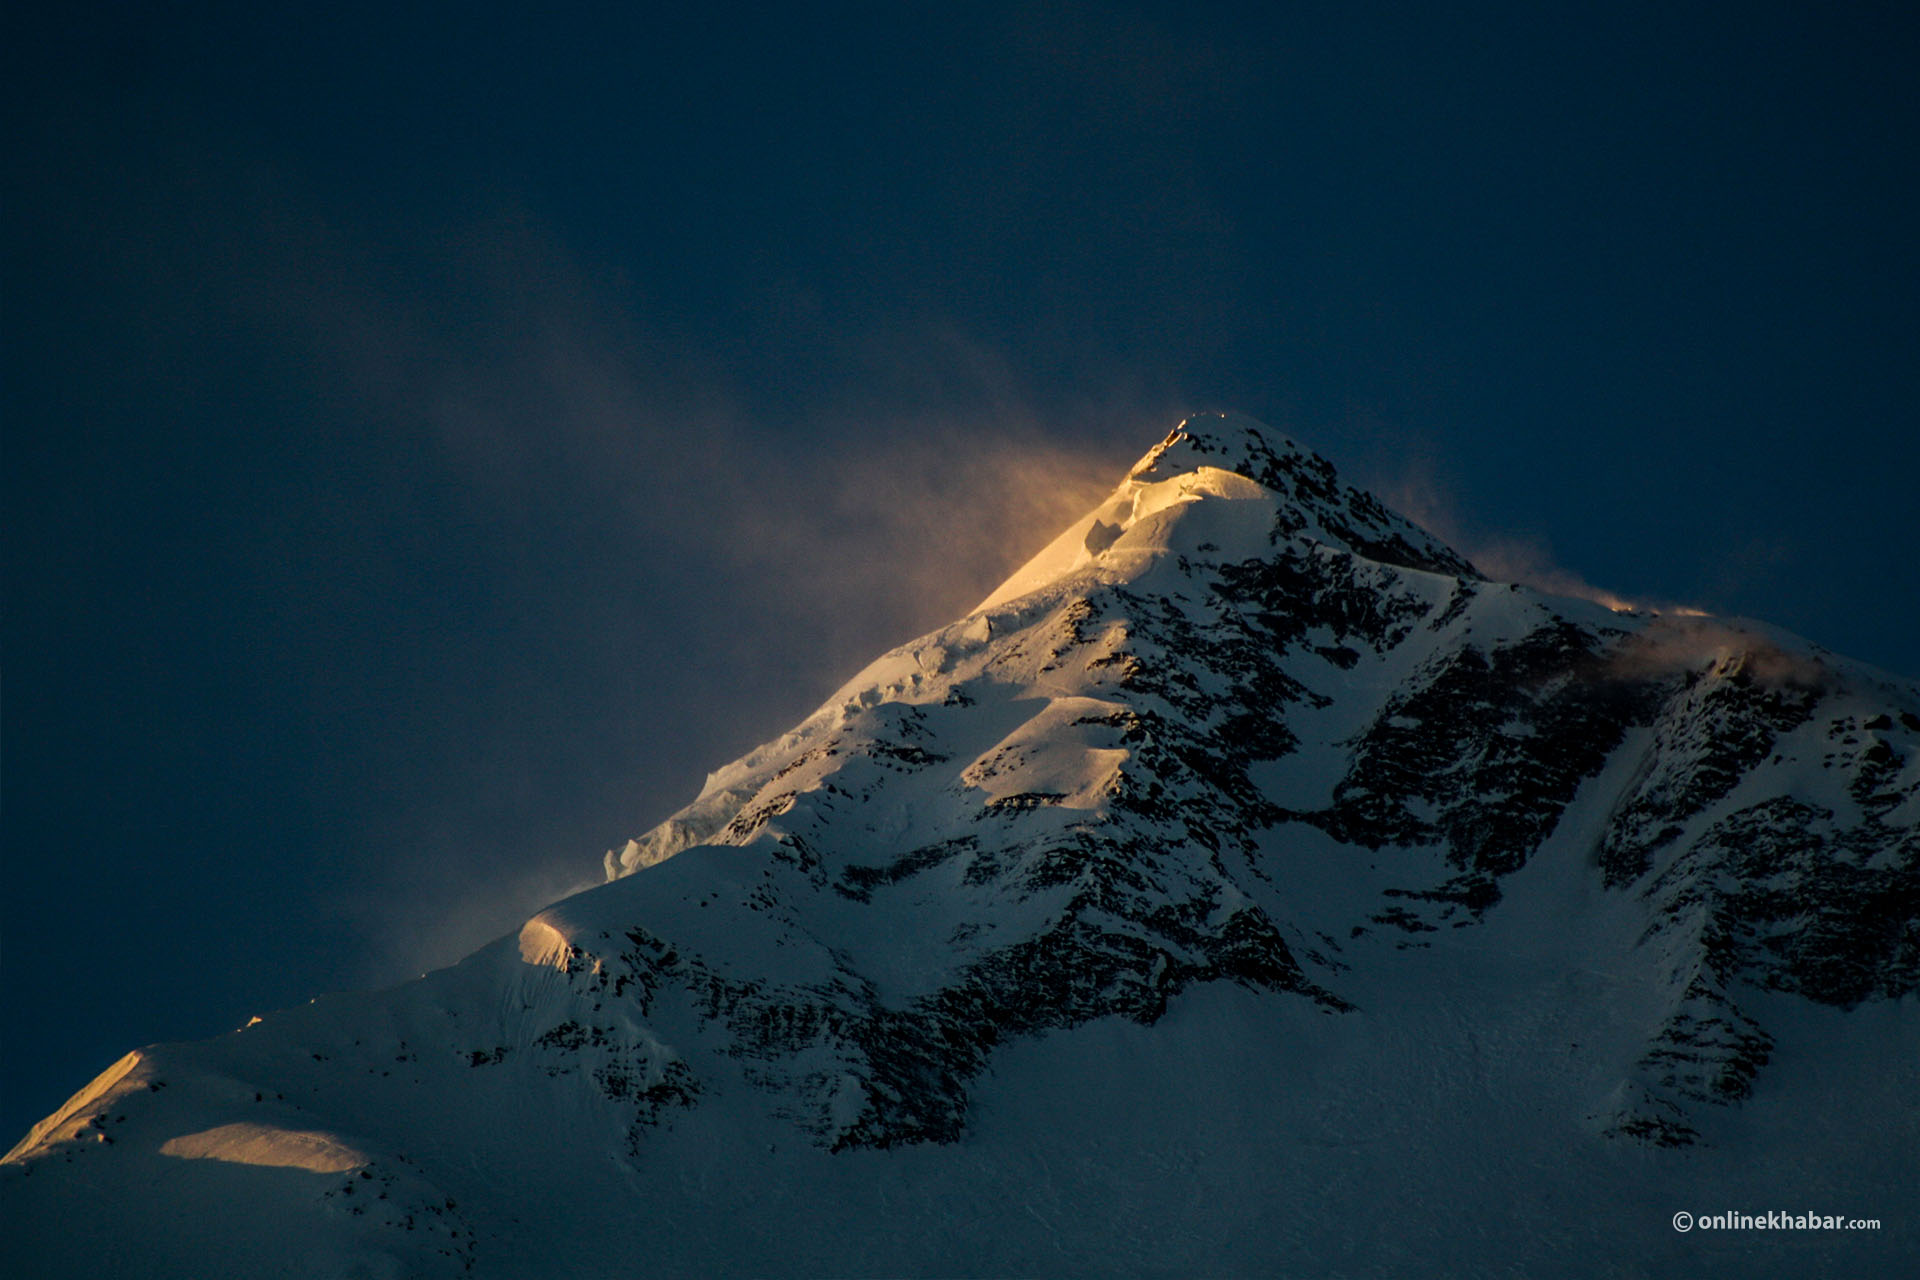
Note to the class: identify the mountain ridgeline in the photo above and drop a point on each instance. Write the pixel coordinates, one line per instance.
(1244, 780)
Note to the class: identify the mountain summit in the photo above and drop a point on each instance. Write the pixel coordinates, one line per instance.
(1247, 886)
(1209, 457)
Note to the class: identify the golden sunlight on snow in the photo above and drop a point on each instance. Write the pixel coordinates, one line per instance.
(541, 943)
(262, 1144)
(1133, 502)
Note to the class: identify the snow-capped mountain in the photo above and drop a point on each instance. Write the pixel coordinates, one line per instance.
(1247, 886)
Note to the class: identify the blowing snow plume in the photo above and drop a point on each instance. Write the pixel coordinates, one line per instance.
(1686, 642)
(546, 524)
(1505, 557)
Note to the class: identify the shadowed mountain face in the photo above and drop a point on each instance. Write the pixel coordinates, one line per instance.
(1243, 761)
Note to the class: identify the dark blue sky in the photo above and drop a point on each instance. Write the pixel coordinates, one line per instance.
(436, 435)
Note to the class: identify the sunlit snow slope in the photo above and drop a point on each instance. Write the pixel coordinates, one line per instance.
(1247, 886)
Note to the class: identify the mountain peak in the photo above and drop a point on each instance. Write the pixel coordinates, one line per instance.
(1229, 441)
(1211, 456)
(1227, 848)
